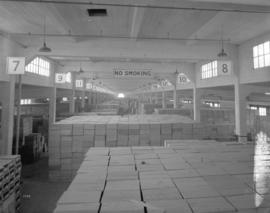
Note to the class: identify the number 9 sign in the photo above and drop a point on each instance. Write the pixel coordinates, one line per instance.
(15, 65)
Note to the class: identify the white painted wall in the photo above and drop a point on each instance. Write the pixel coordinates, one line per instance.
(7, 48)
(232, 52)
(247, 73)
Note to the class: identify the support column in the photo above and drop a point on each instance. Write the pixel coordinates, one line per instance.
(96, 100)
(196, 104)
(7, 96)
(175, 97)
(52, 105)
(83, 97)
(163, 100)
(72, 96)
(240, 95)
(156, 101)
(150, 98)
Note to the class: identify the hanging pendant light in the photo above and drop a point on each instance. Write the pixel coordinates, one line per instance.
(44, 48)
(222, 53)
(81, 70)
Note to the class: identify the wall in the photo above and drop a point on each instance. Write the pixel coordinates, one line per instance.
(247, 73)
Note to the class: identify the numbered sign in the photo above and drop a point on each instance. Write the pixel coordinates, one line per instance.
(15, 65)
(182, 79)
(89, 86)
(60, 78)
(224, 67)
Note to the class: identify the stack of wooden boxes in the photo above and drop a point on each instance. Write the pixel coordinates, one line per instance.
(70, 138)
(10, 184)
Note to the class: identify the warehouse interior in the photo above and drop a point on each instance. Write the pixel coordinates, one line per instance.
(134, 106)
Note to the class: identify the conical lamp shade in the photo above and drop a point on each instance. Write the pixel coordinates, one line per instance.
(45, 49)
(222, 53)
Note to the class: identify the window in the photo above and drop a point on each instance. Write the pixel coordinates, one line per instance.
(261, 55)
(26, 101)
(262, 111)
(253, 108)
(187, 101)
(79, 83)
(212, 104)
(39, 66)
(68, 77)
(209, 70)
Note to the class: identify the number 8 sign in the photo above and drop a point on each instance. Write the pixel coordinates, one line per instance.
(15, 65)
(224, 67)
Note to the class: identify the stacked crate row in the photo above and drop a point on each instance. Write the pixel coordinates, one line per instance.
(171, 111)
(10, 184)
(187, 176)
(217, 116)
(68, 142)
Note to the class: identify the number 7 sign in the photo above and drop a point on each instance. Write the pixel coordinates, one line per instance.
(15, 65)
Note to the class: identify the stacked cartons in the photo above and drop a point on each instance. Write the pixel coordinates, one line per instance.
(111, 135)
(155, 134)
(166, 132)
(187, 131)
(122, 135)
(144, 135)
(198, 131)
(10, 183)
(89, 136)
(66, 143)
(100, 135)
(133, 135)
(54, 147)
(177, 131)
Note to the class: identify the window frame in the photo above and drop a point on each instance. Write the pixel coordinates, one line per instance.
(209, 70)
(39, 66)
(261, 55)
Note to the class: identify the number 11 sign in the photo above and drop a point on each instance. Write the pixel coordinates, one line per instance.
(15, 65)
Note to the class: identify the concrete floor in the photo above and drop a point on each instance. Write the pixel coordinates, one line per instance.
(39, 194)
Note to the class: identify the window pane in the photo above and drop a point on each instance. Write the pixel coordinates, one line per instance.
(255, 51)
(261, 61)
(262, 111)
(261, 49)
(267, 59)
(266, 47)
(256, 63)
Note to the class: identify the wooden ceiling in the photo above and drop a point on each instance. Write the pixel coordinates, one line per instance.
(162, 25)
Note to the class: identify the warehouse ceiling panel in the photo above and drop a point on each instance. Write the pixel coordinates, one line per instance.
(135, 31)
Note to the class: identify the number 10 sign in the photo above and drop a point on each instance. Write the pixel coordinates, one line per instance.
(15, 65)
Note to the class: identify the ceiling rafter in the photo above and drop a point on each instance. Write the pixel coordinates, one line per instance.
(197, 6)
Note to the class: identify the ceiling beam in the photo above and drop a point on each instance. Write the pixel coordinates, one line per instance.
(204, 30)
(202, 5)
